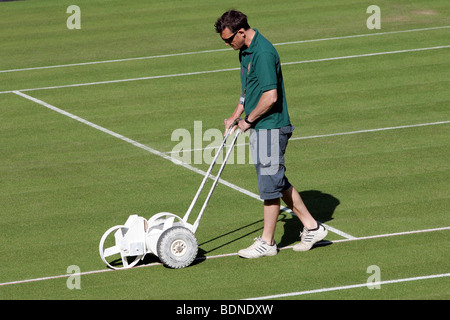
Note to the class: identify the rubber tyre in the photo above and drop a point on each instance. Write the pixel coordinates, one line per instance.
(177, 247)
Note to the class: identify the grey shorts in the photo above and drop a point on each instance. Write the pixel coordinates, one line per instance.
(267, 149)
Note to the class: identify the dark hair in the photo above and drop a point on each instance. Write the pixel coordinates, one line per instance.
(233, 20)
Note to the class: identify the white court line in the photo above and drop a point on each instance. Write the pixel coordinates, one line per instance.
(368, 55)
(385, 235)
(326, 135)
(353, 286)
(372, 130)
(220, 256)
(225, 70)
(123, 80)
(218, 50)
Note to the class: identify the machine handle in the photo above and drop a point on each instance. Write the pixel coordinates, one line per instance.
(235, 123)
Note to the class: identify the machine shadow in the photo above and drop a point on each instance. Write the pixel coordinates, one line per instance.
(201, 252)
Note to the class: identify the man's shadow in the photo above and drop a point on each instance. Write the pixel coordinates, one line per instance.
(320, 205)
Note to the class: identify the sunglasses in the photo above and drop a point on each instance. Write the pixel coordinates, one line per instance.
(230, 39)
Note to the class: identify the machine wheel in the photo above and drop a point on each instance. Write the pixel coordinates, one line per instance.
(177, 247)
(113, 252)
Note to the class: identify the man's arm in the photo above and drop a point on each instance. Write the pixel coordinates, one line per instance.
(236, 114)
(265, 103)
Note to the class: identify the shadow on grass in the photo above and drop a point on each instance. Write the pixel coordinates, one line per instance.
(321, 206)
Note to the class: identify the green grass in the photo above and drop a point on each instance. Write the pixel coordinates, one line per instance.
(63, 184)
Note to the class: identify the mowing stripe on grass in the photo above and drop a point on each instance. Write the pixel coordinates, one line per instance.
(155, 152)
(187, 166)
(353, 286)
(167, 157)
(217, 50)
(223, 256)
(225, 70)
(161, 154)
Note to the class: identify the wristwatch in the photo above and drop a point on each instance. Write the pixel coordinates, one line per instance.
(248, 121)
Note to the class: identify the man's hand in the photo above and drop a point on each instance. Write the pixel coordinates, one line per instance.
(228, 122)
(244, 126)
(236, 114)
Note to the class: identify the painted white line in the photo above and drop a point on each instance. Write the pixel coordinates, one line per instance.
(361, 285)
(361, 35)
(220, 256)
(372, 130)
(218, 50)
(368, 55)
(54, 277)
(223, 70)
(327, 135)
(386, 235)
(124, 80)
(115, 60)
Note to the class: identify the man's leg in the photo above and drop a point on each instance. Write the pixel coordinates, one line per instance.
(265, 245)
(312, 231)
(294, 202)
(271, 212)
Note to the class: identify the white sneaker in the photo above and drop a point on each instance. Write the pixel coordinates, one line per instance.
(258, 249)
(310, 237)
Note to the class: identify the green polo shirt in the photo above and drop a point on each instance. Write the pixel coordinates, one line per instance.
(260, 72)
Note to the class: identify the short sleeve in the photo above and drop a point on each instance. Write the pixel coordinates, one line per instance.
(266, 66)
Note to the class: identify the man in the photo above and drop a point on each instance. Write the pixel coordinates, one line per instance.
(264, 102)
